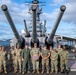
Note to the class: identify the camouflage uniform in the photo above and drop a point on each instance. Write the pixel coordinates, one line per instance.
(45, 54)
(3, 60)
(17, 60)
(59, 51)
(64, 60)
(54, 62)
(12, 58)
(35, 52)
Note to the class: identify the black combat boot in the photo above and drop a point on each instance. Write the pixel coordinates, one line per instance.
(67, 72)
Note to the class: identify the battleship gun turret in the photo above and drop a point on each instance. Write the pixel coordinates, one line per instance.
(16, 34)
(38, 32)
(50, 39)
(27, 32)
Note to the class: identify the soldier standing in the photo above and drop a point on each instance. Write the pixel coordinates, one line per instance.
(45, 58)
(35, 53)
(54, 62)
(26, 59)
(17, 60)
(3, 59)
(12, 58)
(64, 60)
(59, 51)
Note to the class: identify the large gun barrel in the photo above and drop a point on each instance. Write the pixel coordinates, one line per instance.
(62, 9)
(27, 33)
(34, 36)
(5, 9)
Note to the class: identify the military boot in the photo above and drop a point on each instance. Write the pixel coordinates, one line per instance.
(33, 71)
(28, 72)
(15, 71)
(20, 71)
(67, 72)
(52, 71)
(42, 71)
(23, 72)
(5, 71)
(47, 72)
(56, 72)
(38, 71)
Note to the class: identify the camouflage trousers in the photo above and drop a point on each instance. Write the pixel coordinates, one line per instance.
(65, 62)
(59, 62)
(35, 65)
(2, 62)
(45, 63)
(54, 64)
(16, 63)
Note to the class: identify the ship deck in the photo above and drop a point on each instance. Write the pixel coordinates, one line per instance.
(12, 73)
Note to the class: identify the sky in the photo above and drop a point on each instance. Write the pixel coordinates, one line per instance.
(19, 11)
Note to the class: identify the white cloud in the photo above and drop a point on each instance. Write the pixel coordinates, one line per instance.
(57, 2)
(19, 12)
(69, 15)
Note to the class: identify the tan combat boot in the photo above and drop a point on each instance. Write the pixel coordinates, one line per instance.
(42, 71)
(28, 72)
(47, 72)
(38, 71)
(15, 71)
(5, 71)
(20, 71)
(51, 71)
(33, 71)
(56, 71)
(23, 72)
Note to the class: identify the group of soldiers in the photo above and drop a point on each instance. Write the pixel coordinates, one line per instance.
(21, 59)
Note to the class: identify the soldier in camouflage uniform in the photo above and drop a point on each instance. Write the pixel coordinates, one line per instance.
(54, 62)
(64, 60)
(26, 59)
(59, 51)
(3, 60)
(17, 61)
(12, 58)
(35, 53)
(45, 58)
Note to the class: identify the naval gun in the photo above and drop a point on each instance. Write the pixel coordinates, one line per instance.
(49, 40)
(19, 39)
(26, 30)
(34, 35)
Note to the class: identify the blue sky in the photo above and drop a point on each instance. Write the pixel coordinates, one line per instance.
(19, 12)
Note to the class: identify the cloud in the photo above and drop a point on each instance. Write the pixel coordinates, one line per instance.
(69, 15)
(57, 2)
(19, 12)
